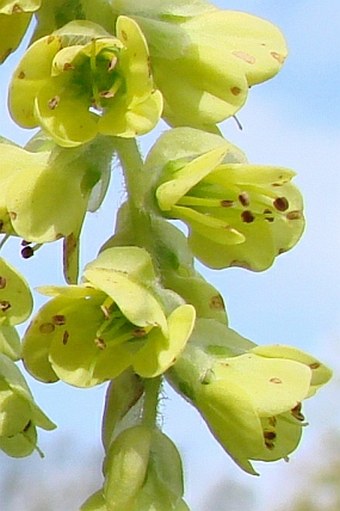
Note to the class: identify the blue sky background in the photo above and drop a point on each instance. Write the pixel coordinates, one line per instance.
(293, 121)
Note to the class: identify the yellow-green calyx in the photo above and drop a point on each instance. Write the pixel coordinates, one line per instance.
(15, 16)
(238, 214)
(252, 401)
(81, 68)
(19, 415)
(91, 333)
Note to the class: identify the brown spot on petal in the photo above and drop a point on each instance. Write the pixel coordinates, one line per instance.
(68, 66)
(226, 203)
(3, 282)
(216, 303)
(106, 94)
(46, 328)
(139, 332)
(270, 435)
(235, 91)
(272, 421)
(53, 102)
(12, 215)
(17, 9)
(21, 75)
(59, 319)
(124, 35)
(66, 336)
(281, 203)
(250, 59)
(294, 215)
(275, 380)
(4, 305)
(100, 343)
(277, 56)
(315, 365)
(244, 199)
(247, 216)
(50, 39)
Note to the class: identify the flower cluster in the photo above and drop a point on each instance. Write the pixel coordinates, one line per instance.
(97, 74)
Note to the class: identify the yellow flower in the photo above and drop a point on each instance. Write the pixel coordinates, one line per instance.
(81, 68)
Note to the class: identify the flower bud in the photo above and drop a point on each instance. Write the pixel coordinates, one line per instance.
(82, 68)
(143, 472)
(19, 415)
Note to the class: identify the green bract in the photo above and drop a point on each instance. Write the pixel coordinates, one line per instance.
(143, 472)
(81, 68)
(19, 415)
(15, 16)
(251, 402)
(86, 335)
(214, 57)
(238, 214)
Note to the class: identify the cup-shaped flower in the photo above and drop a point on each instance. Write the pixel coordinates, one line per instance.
(82, 68)
(143, 470)
(91, 333)
(238, 214)
(19, 415)
(15, 16)
(214, 57)
(251, 402)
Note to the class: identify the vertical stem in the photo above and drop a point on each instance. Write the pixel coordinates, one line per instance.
(152, 388)
(131, 161)
(132, 164)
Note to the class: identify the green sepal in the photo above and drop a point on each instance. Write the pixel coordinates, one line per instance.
(16, 300)
(95, 502)
(162, 9)
(9, 342)
(54, 14)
